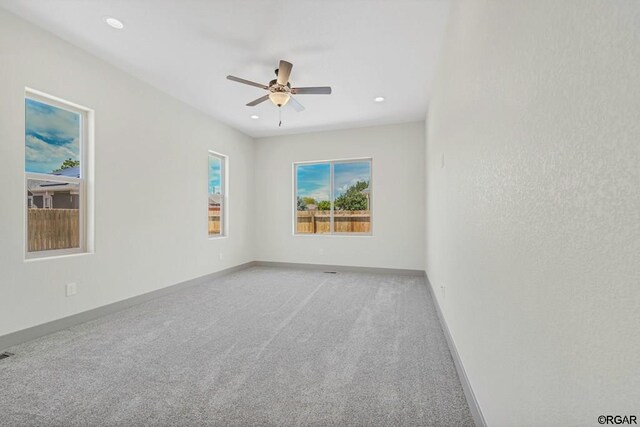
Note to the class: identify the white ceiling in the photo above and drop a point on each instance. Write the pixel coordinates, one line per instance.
(362, 48)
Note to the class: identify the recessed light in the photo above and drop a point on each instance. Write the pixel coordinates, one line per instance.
(254, 117)
(379, 99)
(114, 23)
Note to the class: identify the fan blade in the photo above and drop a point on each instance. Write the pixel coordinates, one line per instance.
(247, 82)
(325, 90)
(258, 101)
(284, 71)
(295, 104)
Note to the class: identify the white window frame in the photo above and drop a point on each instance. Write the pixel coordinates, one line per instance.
(224, 190)
(85, 182)
(331, 163)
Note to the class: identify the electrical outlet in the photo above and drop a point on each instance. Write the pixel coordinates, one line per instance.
(72, 289)
(220, 256)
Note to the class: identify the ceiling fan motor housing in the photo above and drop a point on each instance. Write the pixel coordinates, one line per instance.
(274, 82)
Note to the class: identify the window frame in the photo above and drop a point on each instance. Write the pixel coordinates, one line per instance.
(84, 181)
(224, 199)
(331, 163)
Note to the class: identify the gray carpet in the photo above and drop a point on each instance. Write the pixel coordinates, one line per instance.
(265, 346)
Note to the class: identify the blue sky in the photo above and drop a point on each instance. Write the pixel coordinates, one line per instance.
(215, 167)
(52, 135)
(313, 180)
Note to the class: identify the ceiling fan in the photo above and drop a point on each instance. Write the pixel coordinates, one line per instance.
(280, 89)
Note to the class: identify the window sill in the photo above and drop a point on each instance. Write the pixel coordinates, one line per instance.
(218, 237)
(333, 235)
(58, 256)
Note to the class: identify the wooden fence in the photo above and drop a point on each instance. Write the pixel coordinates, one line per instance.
(319, 222)
(51, 229)
(214, 221)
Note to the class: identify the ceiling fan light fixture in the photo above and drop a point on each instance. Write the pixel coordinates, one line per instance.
(279, 98)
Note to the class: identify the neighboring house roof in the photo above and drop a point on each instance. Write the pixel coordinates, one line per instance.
(71, 172)
(37, 186)
(50, 187)
(214, 199)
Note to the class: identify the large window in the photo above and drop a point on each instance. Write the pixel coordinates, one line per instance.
(333, 197)
(217, 194)
(55, 176)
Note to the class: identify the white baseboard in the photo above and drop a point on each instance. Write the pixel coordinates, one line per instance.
(38, 331)
(474, 407)
(345, 268)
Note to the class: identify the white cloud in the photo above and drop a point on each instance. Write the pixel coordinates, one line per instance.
(319, 194)
(345, 187)
(50, 121)
(44, 157)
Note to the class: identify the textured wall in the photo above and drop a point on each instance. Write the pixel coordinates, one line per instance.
(150, 184)
(533, 219)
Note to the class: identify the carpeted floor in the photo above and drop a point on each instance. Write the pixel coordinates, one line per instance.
(265, 346)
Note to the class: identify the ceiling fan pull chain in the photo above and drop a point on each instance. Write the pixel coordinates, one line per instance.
(280, 117)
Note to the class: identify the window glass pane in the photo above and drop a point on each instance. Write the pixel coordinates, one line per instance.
(351, 192)
(53, 215)
(215, 196)
(52, 138)
(313, 196)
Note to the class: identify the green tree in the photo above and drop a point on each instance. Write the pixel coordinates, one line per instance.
(67, 164)
(353, 199)
(309, 201)
(324, 205)
(302, 206)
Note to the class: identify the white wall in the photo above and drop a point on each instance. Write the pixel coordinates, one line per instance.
(150, 184)
(397, 199)
(533, 223)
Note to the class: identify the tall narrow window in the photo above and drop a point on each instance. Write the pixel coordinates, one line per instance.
(217, 194)
(55, 172)
(333, 197)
